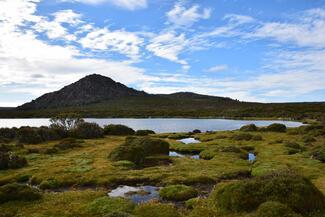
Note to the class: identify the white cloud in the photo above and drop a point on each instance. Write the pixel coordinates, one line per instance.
(217, 68)
(126, 4)
(168, 45)
(120, 41)
(180, 15)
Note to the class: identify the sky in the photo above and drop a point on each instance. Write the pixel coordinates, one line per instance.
(250, 50)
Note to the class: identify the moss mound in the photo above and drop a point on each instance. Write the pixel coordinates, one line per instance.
(13, 192)
(276, 128)
(203, 211)
(118, 130)
(178, 192)
(156, 210)
(285, 186)
(249, 128)
(144, 132)
(319, 154)
(119, 214)
(9, 160)
(107, 206)
(87, 130)
(127, 152)
(275, 209)
(242, 136)
(68, 143)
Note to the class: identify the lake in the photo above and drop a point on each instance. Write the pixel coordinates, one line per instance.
(159, 125)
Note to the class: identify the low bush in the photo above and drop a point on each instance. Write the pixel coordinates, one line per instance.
(286, 187)
(319, 154)
(128, 152)
(28, 135)
(249, 128)
(178, 192)
(106, 206)
(242, 136)
(118, 130)
(151, 146)
(144, 132)
(276, 128)
(8, 133)
(9, 160)
(49, 184)
(68, 143)
(156, 210)
(275, 209)
(207, 154)
(87, 130)
(196, 131)
(14, 192)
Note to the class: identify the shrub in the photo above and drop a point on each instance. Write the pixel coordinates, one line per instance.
(257, 138)
(275, 209)
(242, 136)
(249, 128)
(319, 154)
(196, 131)
(49, 184)
(295, 191)
(156, 210)
(8, 133)
(28, 135)
(128, 152)
(144, 132)
(48, 134)
(119, 214)
(9, 160)
(13, 192)
(207, 154)
(178, 192)
(276, 128)
(151, 146)
(118, 130)
(86, 130)
(106, 206)
(68, 144)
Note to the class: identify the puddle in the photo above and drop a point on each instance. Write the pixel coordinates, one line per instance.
(251, 157)
(136, 194)
(189, 141)
(176, 154)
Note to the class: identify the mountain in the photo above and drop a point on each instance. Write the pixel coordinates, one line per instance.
(100, 96)
(90, 89)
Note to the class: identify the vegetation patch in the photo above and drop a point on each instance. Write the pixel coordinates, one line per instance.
(286, 187)
(10, 160)
(178, 192)
(14, 192)
(319, 154)
(275, 209)
(249, 128)
(156, 210)
(87, 130)
(118, 130)
(144, 132)
(106, 206)
(281, 128)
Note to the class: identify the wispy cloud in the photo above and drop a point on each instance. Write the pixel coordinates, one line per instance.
(126, 4)
(217, 68)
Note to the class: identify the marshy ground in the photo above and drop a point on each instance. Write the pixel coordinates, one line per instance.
(75, 180)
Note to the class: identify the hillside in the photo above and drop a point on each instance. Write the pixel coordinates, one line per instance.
(99, 96)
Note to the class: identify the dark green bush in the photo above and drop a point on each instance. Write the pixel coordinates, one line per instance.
(144, 132)
(87, 130)
(128, 152)
(286, 187)
(156, 210)
(151, 146)
(319, 154)
(8, 133)
(242, 136)
(275, 209)
(13, 192)
(178, 192)
(276, 128)
(9, 160)
(49, 184)
(249, 128)
(106, 206)
(118, 130)
(29, 135)
(68, 143)
(309, 139)
(207, 154)
(196, 131)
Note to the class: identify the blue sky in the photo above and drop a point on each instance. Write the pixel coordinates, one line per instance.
(251, 50)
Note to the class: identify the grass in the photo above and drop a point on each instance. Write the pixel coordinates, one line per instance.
(87, 167)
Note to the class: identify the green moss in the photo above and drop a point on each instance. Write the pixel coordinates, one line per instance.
(14, 192)
(203, 211)
(106, 205)
(178, 192)
(249, 128)
(156, 210)
(49, 184)
(208, 154)
(124, 164)
(118, 130)
(128, 152)
(275, 209)
(242, 136)
(287, 187)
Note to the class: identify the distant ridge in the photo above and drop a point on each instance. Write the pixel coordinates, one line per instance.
(96, 88)
(90, 89)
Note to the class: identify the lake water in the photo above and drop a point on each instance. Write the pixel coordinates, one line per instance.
(159, 125)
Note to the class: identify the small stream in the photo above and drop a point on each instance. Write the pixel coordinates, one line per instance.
(188, 141)
(177, 154)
